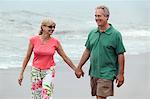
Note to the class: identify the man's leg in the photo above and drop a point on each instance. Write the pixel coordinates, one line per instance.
(101, 88)
(98, 97)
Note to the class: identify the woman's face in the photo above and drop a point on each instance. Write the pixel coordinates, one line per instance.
(48, 28)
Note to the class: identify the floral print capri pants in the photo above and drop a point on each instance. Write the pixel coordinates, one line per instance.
(42, 83)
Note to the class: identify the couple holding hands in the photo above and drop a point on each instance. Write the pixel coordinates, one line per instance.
(104, 47)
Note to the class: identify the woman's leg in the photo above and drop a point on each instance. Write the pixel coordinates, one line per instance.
(47, 84)
(36, 86)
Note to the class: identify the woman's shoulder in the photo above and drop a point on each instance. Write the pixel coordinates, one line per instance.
(34, 37)
(55, 39)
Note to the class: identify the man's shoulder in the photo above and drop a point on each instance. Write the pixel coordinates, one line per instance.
(116, 34)
(94, 30)
(115, 31)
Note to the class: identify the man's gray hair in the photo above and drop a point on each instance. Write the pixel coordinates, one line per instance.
(105, 9)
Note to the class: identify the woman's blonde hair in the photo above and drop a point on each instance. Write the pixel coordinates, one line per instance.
(47, 21)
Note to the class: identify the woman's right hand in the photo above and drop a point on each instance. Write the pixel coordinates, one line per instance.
(20, 79)
(79, 73)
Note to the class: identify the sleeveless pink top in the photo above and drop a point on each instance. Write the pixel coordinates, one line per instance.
(43, 53)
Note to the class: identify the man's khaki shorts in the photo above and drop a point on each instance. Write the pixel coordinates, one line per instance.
(101, 87)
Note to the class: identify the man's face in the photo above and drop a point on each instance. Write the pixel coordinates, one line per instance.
(100, 17)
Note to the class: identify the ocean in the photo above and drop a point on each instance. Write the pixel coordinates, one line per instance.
(20, 19)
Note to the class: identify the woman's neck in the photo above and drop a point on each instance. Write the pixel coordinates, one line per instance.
(45, 36)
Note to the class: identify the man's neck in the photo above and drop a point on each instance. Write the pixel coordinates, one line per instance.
(104, 28)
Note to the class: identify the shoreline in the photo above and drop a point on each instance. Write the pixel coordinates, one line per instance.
(67, 86)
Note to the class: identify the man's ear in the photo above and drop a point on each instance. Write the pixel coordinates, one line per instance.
(107, 17)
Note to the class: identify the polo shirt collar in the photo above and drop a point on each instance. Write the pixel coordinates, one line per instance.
(108, 31)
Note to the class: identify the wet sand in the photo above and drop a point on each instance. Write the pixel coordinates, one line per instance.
(67, 86)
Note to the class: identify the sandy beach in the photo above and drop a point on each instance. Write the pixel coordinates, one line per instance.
(67, 86)
(20, 20)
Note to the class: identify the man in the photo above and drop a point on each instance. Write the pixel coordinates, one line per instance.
(105, 49)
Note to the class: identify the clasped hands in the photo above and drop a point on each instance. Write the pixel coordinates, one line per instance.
(79, 72)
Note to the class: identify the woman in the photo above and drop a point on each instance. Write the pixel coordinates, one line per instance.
(43, 65)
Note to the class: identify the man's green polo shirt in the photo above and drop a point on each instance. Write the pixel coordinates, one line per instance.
(104, 48)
